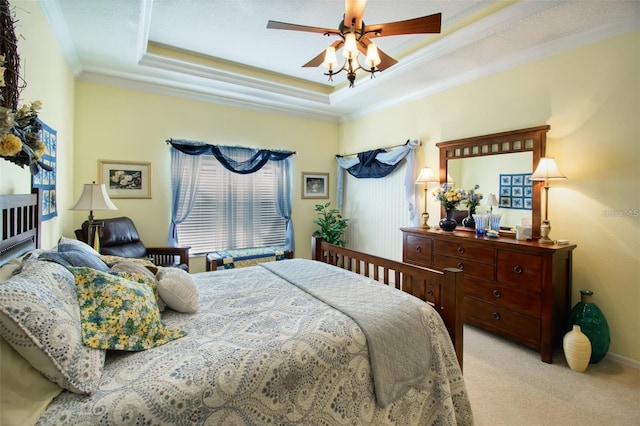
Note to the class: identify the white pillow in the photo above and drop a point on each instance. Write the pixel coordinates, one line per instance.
(178, 289)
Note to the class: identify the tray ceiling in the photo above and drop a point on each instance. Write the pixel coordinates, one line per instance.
(221, 51)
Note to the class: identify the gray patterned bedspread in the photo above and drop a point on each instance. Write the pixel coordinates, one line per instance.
(262, 351)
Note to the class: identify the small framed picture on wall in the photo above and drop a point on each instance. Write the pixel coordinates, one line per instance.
(315, 185)
(125, 179)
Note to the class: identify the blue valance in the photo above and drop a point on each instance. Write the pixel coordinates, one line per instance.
(379, 163)
(252, 165)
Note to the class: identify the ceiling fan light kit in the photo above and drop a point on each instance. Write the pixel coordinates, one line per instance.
(354, 39)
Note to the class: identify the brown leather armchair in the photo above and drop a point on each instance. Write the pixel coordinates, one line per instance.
(119, 237)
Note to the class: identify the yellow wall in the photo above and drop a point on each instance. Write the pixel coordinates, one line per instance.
(125, 125)
(48, 79)
(591, 99)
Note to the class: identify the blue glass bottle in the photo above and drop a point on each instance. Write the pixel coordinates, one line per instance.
(593, 323)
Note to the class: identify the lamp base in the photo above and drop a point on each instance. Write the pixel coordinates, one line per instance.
(545, 229)
(425, 220)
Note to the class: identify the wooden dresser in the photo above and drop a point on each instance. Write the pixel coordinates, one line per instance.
(518, 289)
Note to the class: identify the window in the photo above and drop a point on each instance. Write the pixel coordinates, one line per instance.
(232, 210)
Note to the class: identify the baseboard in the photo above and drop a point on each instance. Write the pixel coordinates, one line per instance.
(624, 360)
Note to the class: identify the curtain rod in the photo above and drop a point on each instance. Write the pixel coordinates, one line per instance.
(387, 147)
(168, 141)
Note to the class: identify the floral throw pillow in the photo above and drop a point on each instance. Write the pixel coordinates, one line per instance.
(119, 314)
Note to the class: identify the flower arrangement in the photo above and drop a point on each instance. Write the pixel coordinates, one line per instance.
(449, 196)
(19, 136)
(473, 197)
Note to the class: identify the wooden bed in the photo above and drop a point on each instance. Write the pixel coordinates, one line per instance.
(147, 375)
(443, 290)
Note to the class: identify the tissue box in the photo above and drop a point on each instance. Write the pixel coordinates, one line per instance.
(523, 233)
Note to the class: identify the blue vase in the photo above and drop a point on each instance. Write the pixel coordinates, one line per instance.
(448, 223)
(593, 324)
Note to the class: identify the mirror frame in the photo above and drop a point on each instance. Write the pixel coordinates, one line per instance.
(533, 139)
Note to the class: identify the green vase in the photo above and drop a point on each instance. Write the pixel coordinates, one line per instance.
(593, 324)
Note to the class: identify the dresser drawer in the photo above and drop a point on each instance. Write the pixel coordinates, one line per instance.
(417, 250)
(511, 324)
(471, 268)
(466, 251)
(507, 296)
(520, 270)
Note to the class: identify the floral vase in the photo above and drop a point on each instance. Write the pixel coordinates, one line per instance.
(448, 223)
(577, 349)
(593, 324)
(469, 221)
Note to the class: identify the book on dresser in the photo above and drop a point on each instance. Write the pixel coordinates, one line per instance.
(520, 290)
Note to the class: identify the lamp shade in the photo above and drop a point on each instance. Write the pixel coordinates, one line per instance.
(547, 170)
(426, 175)
(330, 60)
(94, 197)
(492, 200)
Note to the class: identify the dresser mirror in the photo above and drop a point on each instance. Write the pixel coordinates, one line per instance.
(482, 159)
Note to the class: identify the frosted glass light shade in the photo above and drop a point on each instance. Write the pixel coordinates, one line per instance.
(350, 49)
(373, 57)
(330, 59)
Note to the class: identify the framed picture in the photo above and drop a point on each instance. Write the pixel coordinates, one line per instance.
(125, 179)
(315, 185)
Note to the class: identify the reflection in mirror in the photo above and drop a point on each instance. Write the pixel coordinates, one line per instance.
(485, 171)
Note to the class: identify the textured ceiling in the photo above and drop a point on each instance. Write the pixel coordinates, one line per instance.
(221, 51)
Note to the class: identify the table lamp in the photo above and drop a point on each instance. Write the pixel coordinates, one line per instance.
(547, 170)
(425, 177)
(94, 197)
(492, 202)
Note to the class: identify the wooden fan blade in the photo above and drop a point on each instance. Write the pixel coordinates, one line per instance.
(422, 25)
(318, 60)
(275, 25)
(353, 10)
(386, 61)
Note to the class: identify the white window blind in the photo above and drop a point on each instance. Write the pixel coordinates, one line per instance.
(233, 210)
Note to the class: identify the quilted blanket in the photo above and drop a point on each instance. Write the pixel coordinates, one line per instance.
(263, 351)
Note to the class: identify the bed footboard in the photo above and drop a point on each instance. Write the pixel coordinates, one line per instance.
(444, 290)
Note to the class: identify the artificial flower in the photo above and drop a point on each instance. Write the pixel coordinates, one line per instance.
(449, 196)
(10, 145)
(473, 197)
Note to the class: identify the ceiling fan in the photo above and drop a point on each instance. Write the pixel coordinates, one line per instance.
(354, 38)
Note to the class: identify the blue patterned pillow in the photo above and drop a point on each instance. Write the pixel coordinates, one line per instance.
(40, 318)
(70, 255)
(120, 314)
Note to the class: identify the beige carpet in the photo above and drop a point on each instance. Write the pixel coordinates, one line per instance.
(508, 385)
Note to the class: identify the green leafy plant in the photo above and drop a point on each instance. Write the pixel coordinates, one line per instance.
(331, 223)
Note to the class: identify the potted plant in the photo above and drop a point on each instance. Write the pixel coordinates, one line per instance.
(331, 223)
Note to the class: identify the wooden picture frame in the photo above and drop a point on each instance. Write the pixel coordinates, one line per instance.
(315, 185)
(125, 179)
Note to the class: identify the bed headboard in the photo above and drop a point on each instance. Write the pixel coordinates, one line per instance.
(20, 224)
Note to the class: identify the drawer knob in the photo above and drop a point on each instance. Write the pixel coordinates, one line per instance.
(497, 293)
(496, 315)
(517, 269)
(461, 250)
(430, 293)
(419, 249)
(460, 265)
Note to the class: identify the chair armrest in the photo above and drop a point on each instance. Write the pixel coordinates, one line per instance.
(164, 255)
